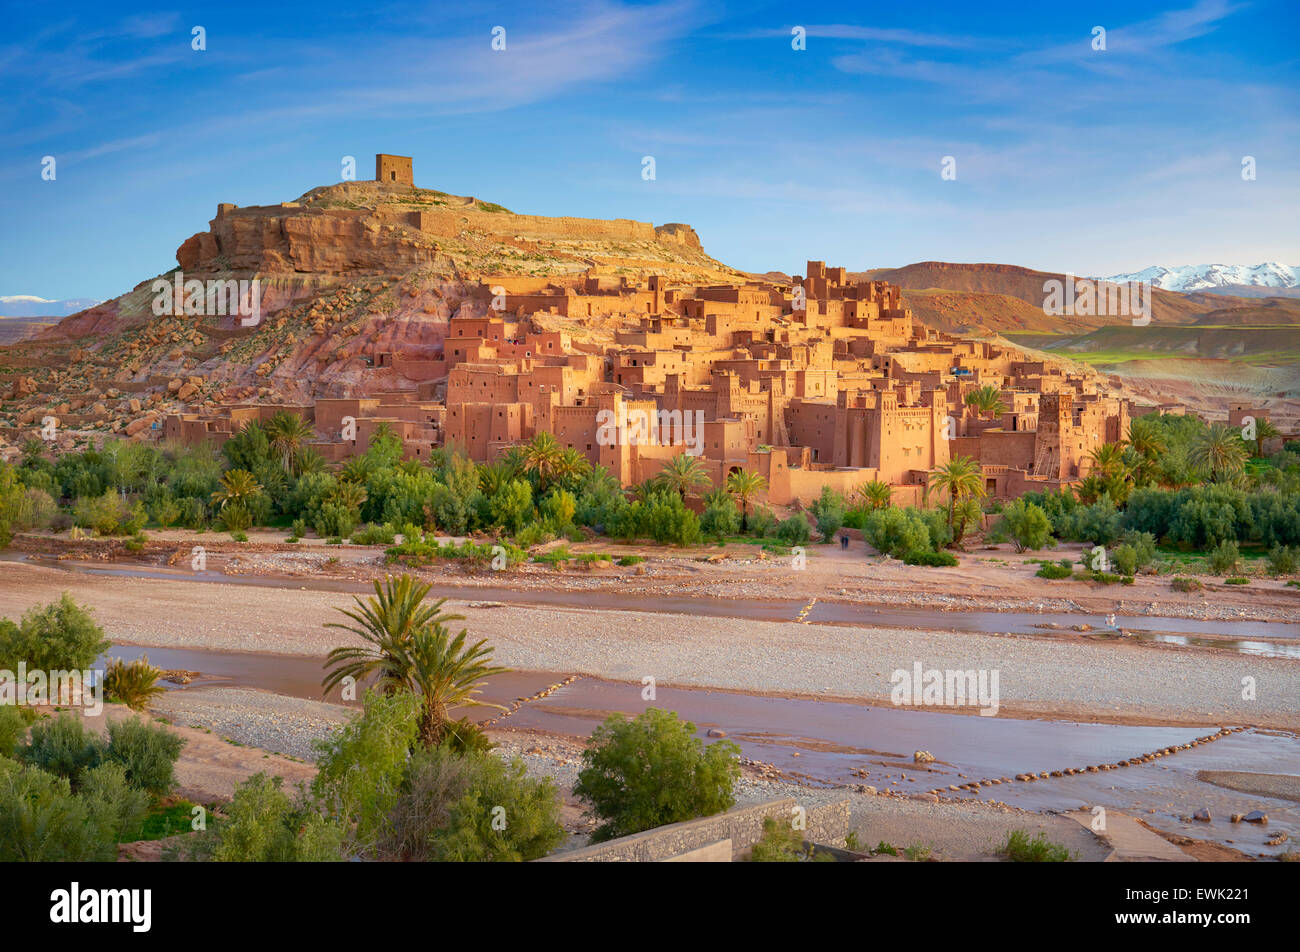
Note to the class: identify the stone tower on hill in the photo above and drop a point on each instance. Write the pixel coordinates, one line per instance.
(394, 169)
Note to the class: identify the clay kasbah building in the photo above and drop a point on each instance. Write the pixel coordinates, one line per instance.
(824, 381)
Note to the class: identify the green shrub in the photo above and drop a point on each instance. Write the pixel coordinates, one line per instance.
(63, 747)
(1125, 559)
(828, 510)
(1107, 578)
(165, 511)
(464, 736)
(558, 507)
(653, 770)
(1049, 570)
(896, 532)
(13, 727)
(1027, 525)
(555, 556)
(762, 522)
(42, 820)
(720, 519)
(631, 560)
(234, 517)
(782, 843)
(59, 637)
(133, 683)
(1236, 580)
(1181, 584)
(362, 767)
(472, 807)
(1283, 559)
(147, 752)
(262, 825)
(415, 553)
(1019, 848)
(109, 514)
(794, 530)
(1224, 558)
(1143, 545)
(375, 535)
(932, 559)
(335, 521)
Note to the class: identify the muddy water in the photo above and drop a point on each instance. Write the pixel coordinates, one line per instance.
(1261, 638)
(829, 743)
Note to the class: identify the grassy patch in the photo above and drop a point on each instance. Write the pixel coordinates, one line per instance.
(1020, 848)
(1054, 571)
(163, 820)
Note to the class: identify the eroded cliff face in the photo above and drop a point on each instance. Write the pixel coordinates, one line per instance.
(311, 241)
(345, 272)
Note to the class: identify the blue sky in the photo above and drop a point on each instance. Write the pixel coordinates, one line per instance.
(1066, 158)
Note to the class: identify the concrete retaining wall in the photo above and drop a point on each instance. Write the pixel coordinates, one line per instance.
(742, 826)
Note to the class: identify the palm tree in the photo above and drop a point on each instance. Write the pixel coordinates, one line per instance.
(1108, 459)
(571, 468)
(643, 490)
(1145, 438)
(348, 494)
(494, 477)
(716, 497)
(1264, 430)
(745, 485)
(601, 481)
(966, 513)
(408, 647)
(445, 673)
(1091, 488)
(542, 458)
(684, 474)
(986, 401)
(516, 459)
(383, 431)
(1220, 450)
(287, 432)
(959, 477)
(357, 469)
(237, 486)
(306, 461)
(876, 494)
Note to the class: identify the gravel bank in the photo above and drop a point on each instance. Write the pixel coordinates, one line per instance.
(285, 725)
(1036, 674)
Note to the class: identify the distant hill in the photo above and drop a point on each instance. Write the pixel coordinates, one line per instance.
(15, 329)
(1026, 286)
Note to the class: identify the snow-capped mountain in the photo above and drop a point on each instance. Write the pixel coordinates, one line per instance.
(1218, 278)
(29, 305)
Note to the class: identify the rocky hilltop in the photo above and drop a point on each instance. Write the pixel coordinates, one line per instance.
(344, 271)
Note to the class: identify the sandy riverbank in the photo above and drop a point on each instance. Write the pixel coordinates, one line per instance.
(992, 578)
(1037, 675)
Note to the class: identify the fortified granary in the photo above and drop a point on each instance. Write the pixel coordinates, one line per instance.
(819, 382)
